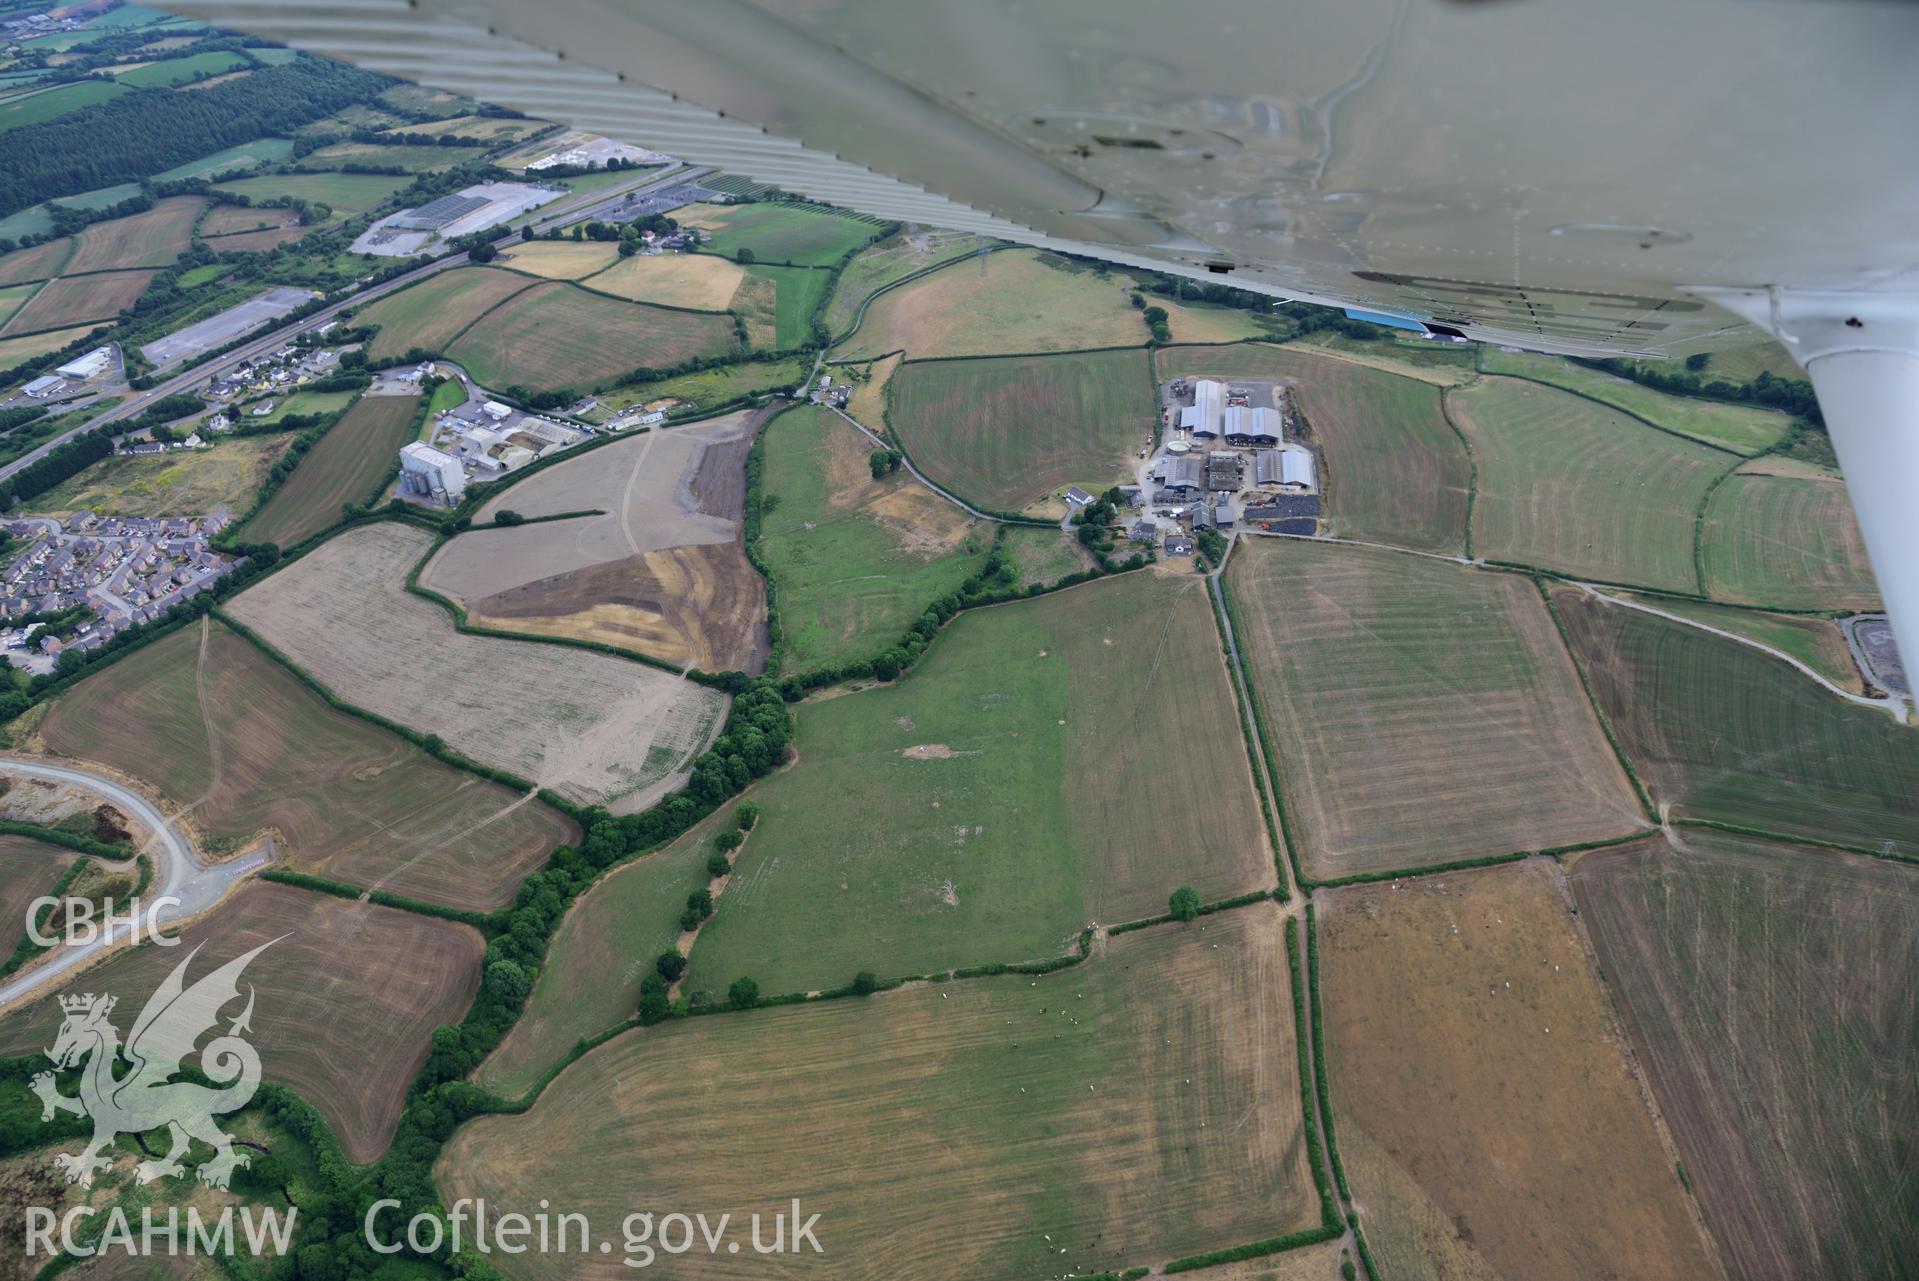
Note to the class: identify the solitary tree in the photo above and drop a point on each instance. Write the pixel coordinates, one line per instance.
(743, 256)
(744, 994)
(1184, 903)
(865, 983)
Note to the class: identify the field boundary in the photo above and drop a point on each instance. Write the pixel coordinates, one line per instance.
(1479, 367)
(1699, 526)
(1605, 723)
(1231, 613)
(486, 923)
(1472, 463)
(859, 317)
(1255, 752)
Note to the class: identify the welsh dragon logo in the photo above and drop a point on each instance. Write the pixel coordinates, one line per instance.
(144, 1098)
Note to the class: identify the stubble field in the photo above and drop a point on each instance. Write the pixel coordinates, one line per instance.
(557, 337)
(1421, 711)
(1137, 1108)
(1786, 541)
(72, 299)
(560, 259)
(1006, 433)
(430, 313)
(1720, 731)
(348, 997)
(1488, 1120)
(1771, 993)
(703, 282)
(28, 869)
(239, 747)
(596, 729)
(1568, 485)
(151, 239)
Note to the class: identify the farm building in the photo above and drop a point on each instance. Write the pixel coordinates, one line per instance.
(1206, 402)
(429, 472)
(1078, 497)
(91, 365)
(1180, 478)
(1297, 468)
(1245, 425)
(1222, 470)
(1179, 545)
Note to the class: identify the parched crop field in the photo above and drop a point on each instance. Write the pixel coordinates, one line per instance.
(430, 313)
(555, 336)
(1395, 470)
(240, 747)
(602, 949)
(560, 259)
(347, 998)
(1785, 541)
(35, 263)
(344, 467)
(1012, 301)
(151, 239)
(1488, 1120)
(1420, 711)
(662, 572)
(596, 729)
(1772, 994)
(1743, 429)
(896, 257)
(853, 560)
(28, 869)
(703, 282)
(1048, 763)
(192, 481)
(1137, 1108)
(1006, 433)
(73, 299)
(1720, 731)
(779, 232)
(1569, 485)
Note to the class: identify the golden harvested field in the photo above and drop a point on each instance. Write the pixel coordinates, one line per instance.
(1134, 1109)
(36, 263)
(560, 259)
(663, 572)
(430, 313)
(347, 999)
(705, 282)
(1421, 711)
(240, 747)
(73, 299)
(1488, 1117)
(1011, 302)
(594, 728)
(151, 239)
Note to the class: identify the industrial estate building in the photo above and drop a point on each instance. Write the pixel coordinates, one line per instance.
(426, 472)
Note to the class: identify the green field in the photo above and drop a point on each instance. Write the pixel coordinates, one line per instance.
(12, 298)
(711, 387)
(150, 239)
(345, 193)
(897, 256)
(557, 337)
(187, 482)
(852, 561)
(344, 467)
(793, 234)
(299, 402)
(411, 159)
(1134, 1109)
(603, 948)
(1044, 555)
(1569, 485)
(211, 723)
(1785, 541)
(1021, 781)
(33, 108)
(1772, 997)
(797, 291)
(1007, 433)
(429, 314)
(1395, 472)
(1723, 732)
(1740, 428)
(1816, 642)
(180, 70)
(1420, 711)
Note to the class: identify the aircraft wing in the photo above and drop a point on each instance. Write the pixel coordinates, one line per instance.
(1632, 176)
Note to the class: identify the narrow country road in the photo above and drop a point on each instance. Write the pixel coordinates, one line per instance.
(178, 872)
(880, 440)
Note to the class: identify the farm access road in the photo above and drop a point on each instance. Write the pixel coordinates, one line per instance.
(607, 202)
(178, 872)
